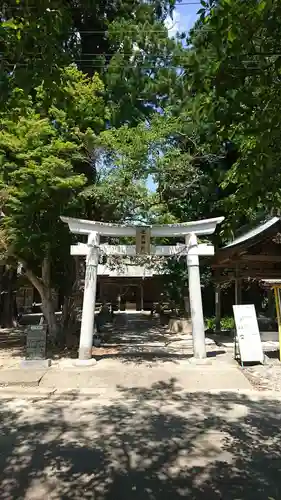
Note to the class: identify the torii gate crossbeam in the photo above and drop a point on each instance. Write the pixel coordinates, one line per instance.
(92, 250)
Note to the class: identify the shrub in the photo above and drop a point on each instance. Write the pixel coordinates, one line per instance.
(227, 323)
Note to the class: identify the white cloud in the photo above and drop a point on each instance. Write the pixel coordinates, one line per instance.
(172, 24)
(178, 23)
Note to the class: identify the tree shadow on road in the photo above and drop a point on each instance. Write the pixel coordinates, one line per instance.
(141, 357)
(152, 443)
(12, 342)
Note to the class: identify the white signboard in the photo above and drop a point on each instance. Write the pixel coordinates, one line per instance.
(248, 334)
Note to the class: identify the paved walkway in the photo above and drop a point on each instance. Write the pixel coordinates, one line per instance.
(148, 424)
(132, 337)
(141, 353)
(155, 443)
(111, 374)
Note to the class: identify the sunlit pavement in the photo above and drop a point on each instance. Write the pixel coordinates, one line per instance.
(157, 443)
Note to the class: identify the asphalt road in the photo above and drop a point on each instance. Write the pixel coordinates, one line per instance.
(156, 444)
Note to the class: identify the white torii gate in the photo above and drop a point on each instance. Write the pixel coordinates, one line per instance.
(93, 249)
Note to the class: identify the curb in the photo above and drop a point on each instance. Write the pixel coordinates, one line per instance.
(109, 396)
(25, 392)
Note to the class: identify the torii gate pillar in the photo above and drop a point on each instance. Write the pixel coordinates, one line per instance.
(195, 297)
(89, 299)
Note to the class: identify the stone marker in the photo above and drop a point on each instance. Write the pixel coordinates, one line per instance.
(36, 340)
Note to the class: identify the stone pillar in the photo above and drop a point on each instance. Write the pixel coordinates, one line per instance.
(89, 299)
(186, 306)
(218, 307)
(141, 291)
(238, 287)
(271, 304)
(119, 299)
(195, 297)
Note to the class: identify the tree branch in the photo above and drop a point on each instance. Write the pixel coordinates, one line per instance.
(34, 280)
(46, 271)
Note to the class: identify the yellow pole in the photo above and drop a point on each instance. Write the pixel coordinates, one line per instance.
(277, 302)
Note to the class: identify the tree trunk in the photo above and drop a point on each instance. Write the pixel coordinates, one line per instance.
(68, 313)
(8, 310)
(69, 318)
(43, 285)
(49, 315)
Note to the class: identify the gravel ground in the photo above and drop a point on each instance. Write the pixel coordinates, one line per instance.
(265, 377)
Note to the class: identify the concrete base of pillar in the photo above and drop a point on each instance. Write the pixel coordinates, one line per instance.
(36, 364)
(200, 361)
(180, 325)
(85, 353)
(84, 362)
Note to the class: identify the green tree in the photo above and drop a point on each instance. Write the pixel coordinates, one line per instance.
(57, 124)
(126, 43)
(238, 94)
(57, 158)
(41, 146)
(38, 181)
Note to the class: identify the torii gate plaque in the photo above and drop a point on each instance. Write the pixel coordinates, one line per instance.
(91, 250)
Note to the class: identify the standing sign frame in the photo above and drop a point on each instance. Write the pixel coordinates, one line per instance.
(247, 341)
(277, 295)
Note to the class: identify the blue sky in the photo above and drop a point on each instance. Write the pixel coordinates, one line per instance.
(184, 18)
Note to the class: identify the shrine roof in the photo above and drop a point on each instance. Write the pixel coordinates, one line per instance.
(253, 233)
(272, 282)
(256, 253)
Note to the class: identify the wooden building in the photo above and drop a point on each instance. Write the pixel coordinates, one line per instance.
(255, 254)
(131, 287)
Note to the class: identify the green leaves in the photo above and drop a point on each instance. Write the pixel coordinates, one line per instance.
(233, 68)
(43, 150)
(261, 5)
(231, 35)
